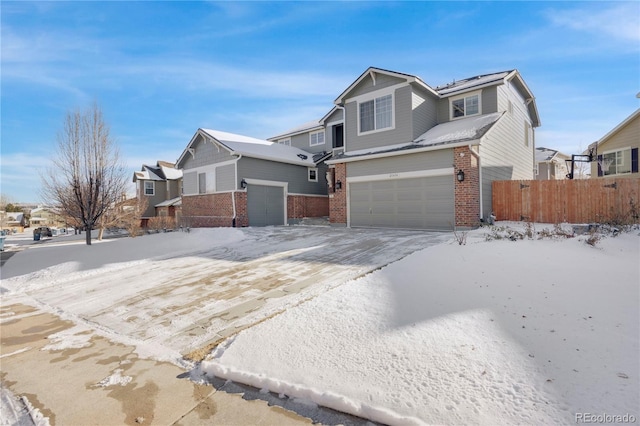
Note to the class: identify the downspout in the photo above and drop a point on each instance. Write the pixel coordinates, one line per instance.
(233, 195)
(477, 155)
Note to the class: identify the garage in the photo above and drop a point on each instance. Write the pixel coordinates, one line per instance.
(265, 205)
(414, 203)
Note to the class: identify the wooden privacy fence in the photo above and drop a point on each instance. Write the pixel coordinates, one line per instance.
(571, 201)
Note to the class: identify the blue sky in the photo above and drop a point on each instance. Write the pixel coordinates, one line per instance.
(161, 70)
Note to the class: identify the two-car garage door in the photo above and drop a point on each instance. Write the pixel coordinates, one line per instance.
(416, 203)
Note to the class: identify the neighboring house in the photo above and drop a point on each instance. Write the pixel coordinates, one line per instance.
(234, 180)
(14, 221)
(407, 155)
(551, 164)
(46, 216)
(618, 150)
(160, 185)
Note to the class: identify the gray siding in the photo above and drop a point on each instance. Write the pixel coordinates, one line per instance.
(226, 178)
(402, 163)
(335, 116)
(425, 113)
(403, 131)
(302, 141)
(504, 154)
(366, 85)
(296, 176)
(190, 183)
(205, 153)
(160, 193)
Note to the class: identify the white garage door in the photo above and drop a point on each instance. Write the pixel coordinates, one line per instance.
(416, 203)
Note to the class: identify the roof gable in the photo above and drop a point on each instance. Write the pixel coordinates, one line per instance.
(371, 73)
(260, 149)
(627, 121)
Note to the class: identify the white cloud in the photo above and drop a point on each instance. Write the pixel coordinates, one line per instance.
(620, 21)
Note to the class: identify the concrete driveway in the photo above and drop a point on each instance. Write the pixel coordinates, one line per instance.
(163, 309)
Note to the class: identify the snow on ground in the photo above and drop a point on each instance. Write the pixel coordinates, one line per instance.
(500, 332)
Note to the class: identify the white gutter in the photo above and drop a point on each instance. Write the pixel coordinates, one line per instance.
(477, 155)
(403, 152)
(233, 193)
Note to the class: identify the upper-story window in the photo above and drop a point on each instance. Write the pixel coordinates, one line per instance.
(316, 138)
(149, 187)
(376, 114)
(465, 106)
(286, 141)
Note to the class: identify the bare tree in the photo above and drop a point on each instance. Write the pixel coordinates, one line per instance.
(88, 176)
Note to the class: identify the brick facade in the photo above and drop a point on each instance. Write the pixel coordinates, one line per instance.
(301, 206)
(211, 210)
(216, 210)
(467, 193)
(338, 199)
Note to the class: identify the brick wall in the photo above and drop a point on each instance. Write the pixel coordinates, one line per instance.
(300, 206)
(338, 199)
(209, 210)
(467, 193)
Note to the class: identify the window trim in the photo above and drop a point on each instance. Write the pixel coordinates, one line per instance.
(616, 151)
(153, 188)
(285, 141)
(309, 170)
(324, 138)
(465, 96)
(373, 97)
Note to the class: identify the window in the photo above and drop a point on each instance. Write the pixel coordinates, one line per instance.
(376, 114)
(619, 162)
(286, 142)
(316, 138)
(338, 136)
(149, 187)
(527, 133)
(313, 175)
(202, 183)
(465, 106)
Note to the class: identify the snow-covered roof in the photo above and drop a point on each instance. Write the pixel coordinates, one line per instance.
(465, 130)
(471, 83)
(163, 170)
(309, 125)
(261, 149)
(547, 154)
(15, 216)
(172, 202)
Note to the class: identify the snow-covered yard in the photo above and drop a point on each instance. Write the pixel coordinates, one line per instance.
(500, 332)
(490, 332)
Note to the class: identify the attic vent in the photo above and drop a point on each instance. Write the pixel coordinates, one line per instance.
(302, 156)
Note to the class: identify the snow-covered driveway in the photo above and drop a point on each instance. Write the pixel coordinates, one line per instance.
(202, 286)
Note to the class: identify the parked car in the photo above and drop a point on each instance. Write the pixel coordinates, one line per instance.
(44, 231)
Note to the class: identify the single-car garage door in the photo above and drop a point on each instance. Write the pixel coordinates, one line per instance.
(265, 205)
(415, 203)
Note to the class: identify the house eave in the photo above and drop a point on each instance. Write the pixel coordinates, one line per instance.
(405, 151)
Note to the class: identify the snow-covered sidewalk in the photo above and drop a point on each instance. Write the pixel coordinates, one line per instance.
(500, 332)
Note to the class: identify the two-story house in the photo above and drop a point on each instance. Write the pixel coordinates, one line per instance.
(406, 155)
(160, 186)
